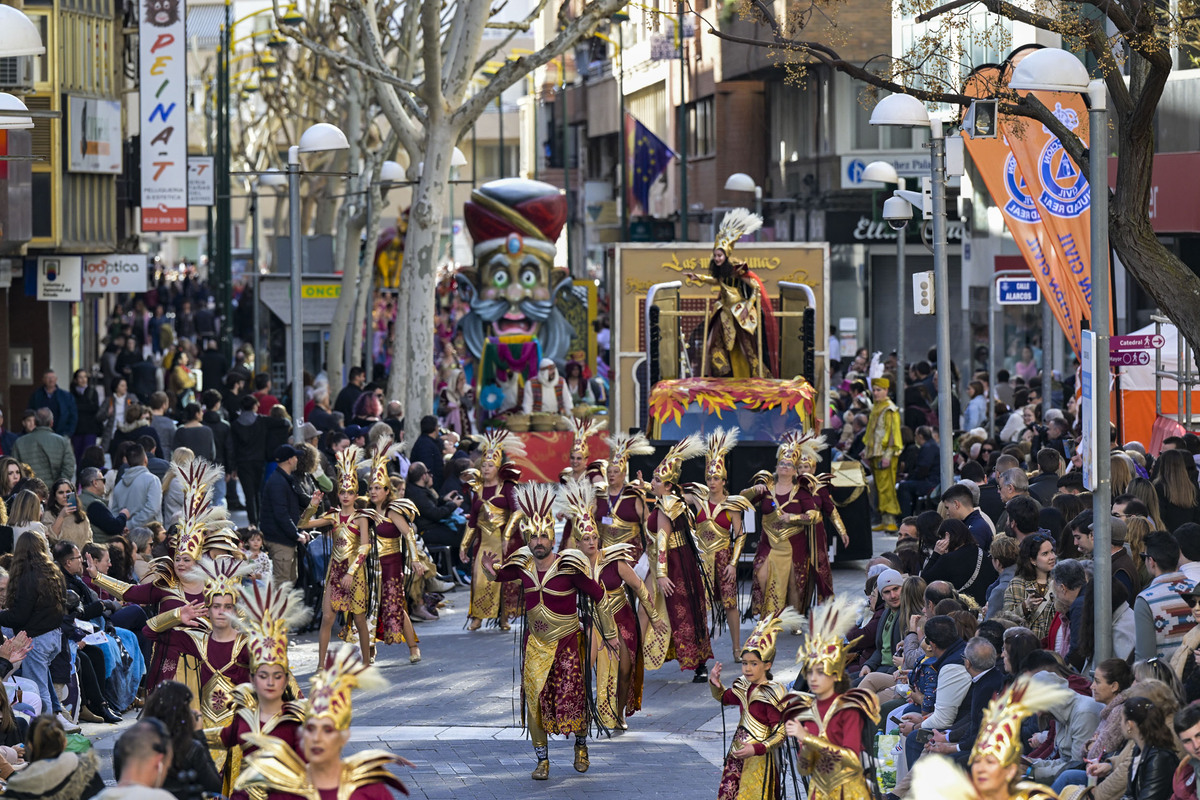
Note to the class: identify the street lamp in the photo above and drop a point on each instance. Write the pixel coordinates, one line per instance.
(19, 35)
(741, 182)
(906, 111)
(1054, 70)
(8, 104)
(885, 172)
(321, 137)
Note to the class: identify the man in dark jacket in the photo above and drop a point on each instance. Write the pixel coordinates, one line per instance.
(890, 630)
(433, 512)
(106, 525)
(214, 420)
(282, 501)
(924, 475)
(157, 466)
(979, 659)
(213, 365)
(349, 394)
(60, 402)
(249, 432)
(427, 449)
(143, 378)
(1044, 486)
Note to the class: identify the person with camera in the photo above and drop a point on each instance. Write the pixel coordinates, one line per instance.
(434, 514)
(191, 774)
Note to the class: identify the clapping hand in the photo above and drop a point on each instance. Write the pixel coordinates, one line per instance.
(16, 648)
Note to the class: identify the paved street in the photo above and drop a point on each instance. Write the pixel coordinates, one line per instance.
(455, 716)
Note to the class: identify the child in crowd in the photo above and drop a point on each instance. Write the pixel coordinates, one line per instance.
(256, 555)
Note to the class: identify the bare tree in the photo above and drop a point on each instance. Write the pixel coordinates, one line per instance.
(932, 70)
(421, 56)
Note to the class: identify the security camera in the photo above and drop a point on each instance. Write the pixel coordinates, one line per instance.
(897, 212)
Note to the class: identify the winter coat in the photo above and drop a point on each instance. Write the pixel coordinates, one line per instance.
(66, 415)
(67, 777)
(48, 454)
(222, 439)
(87, 403)
(107, 417)
(140, 492)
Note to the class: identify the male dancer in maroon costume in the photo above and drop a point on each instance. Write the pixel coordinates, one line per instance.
(554, 699)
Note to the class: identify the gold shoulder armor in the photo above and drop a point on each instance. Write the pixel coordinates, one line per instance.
(765, 477)
(274, 766)
(860, 699)
(616, 552)
(736, 503)
(635, 489)
(405, 508)
(671, 505)
(368, 767)
(796, 702)
(294, 710)
(772, 692)
(243, 696)
(522, 558)
(574, 560)
(697, 489)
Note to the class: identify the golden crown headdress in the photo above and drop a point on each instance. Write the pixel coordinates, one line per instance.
(796, 447)
(202, 525)
(269, 614)
(1000, 729)
(762, 639)
(347, 467)
(329, 694)
(576, 501)
(825, 646)
(737, 223)
(535, 501)
(223, 576)
(500, 443)
(385, 450)
(624, 445)
(717, 446)
(688, 447)
(584, 430)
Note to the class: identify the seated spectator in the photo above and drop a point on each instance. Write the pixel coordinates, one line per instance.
(908, 547)
(141, 760)
(1004, 553)
(191, 767)
(979, 659)
(1029, 597)
(947, 649)
(886, 634)
(53, 772)
(1110, 686)
(1154, 756)
(959, 560)
(1076, 719)
(1161, 617)
(923, 476)
(1123, 635)
(437, 523)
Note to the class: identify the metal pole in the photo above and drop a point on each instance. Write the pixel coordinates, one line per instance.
(566, 143)
(992, 360)
(1047, 371)
(257, 337)
(941, 280)
(296, 367)
(224, 265)
(369, 338)
(681, 138)
(503, 160)
(902, 305)
(621, 143)
(1101, 495)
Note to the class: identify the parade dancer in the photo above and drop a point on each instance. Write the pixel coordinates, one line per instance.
(883, 445)
(792, 561)
(618, 675)
(347, 581)
(995, 760)
(553, 697)
(323, 773)
(833, 725)
(393, 520)
(266, 706)
(488, 530)
(174, 587)
(578, 469)
(752, 765)
(682, 596)
(743, 336)
(621, 506)
(719, 528)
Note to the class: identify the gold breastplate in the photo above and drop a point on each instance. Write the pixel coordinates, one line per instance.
(619, 531)
(548, 627)
(491, 519)
(711, 537)
(214, 701)
(345, 540)
(390, 545)
(777, 531)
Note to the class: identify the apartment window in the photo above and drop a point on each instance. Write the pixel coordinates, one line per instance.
(702, 137)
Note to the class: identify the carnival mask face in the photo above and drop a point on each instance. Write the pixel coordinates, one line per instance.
(514, 289)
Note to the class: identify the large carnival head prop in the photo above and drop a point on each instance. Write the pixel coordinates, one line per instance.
(718, 445)
(737, 223)
(203, 526)
(1000, 729)
(624, 445)
(688, 447)
(576, 501)
(268, 616)
(535, 501)
(329, 694)
(515, 224)
(825, 647)
(800, 449)
(499, 444)
(347, 468)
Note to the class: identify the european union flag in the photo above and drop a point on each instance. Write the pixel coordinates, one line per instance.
(648, 157)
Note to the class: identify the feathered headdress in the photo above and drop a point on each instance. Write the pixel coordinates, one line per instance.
(329, 695)
(223, 576)
(202, 525)
(584, 430)
(737, 223)
(499, 443)
(576, 501)
(875, 373)
(825, 646)
(347, 467)
(535, 501)
(1000, 729)
(624, 445)
(796, 448)
(385, 450)
(269, 614)
(762, 639)
(688, 447)
(717, 446)
(937, 776)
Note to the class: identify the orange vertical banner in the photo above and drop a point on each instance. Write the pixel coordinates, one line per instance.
(1009, 191)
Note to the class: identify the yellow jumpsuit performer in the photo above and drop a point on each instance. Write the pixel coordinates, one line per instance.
(832, 724)
(883, 445)
(489, 531)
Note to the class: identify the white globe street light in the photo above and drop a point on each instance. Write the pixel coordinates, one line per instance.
(19, 36)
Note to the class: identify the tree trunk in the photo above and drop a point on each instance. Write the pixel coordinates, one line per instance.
(362, 318)
(412, 337)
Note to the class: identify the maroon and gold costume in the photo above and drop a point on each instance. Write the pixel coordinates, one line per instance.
(396, 548)
(621, 514)
(489, 531)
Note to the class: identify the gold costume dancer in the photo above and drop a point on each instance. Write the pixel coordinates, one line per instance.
(995, 759)
(833, 725)
(323, 773)
(578, 469)
(883, 445)
(489, 531)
